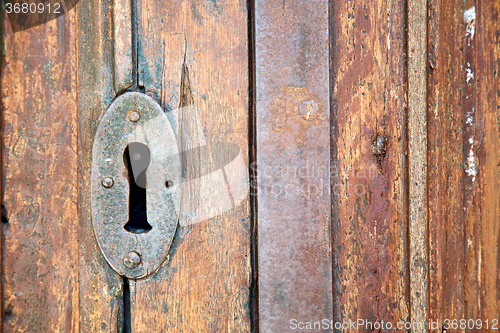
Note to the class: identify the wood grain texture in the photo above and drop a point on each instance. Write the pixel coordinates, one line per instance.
(39, 124)
(351, 159)
(463, 161)
(122, 44)
(417, 155)
(293, 125)
(473, 230)
(370, 184)
(446, 172)
(193, 59)
(481, 110)
(101, 294)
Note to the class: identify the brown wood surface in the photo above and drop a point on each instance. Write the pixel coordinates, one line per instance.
(293, 149)
(101, 294)
(446, 172)
(370, 184)
(369, 115)
(40, 264)
(464, 180)
(193, 56)
(481, 110)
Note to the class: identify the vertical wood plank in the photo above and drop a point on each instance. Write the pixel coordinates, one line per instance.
(293, 154)
(471, 130)
(101, 294)
(122, 44)
(417, 155)
(193, 59)
(370, 184)
(481, 156)
(446, 172)
(3, 212)
(39, 126)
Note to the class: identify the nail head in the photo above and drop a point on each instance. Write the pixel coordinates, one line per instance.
(134, 116)
(107, 182)
(132, 260)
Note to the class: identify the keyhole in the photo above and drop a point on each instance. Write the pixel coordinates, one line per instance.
(137, 158)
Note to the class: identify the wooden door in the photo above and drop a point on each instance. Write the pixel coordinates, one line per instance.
(363, 184)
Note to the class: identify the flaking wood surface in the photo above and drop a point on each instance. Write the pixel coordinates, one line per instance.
(193, 56)
(40, 264)
(446, 171)
(481, 112)
(369, 162)
(464, 184)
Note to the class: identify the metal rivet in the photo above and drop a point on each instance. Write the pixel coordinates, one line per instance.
(107, 182)
(134, 116)
(132, 259)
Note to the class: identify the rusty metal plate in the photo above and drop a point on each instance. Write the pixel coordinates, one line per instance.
(134, 118)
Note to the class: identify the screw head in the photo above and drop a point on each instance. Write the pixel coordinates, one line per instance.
(134, 116)
(132, 259)
(107, 182)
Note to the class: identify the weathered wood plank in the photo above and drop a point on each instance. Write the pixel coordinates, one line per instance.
(122, 44)
(293, 154)
(481, 110)
(446, 173)
(193, 61)
(370, 184)
(101, 295)
(417, 155)
(3, 213)
(39, 126)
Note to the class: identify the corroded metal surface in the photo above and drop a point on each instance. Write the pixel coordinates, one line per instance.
(293, 161)
(110, 206)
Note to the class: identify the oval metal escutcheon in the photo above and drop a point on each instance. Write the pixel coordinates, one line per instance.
(135, 129)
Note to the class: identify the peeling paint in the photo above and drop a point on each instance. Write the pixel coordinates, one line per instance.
(471, 169)
(470, 75)
(470, 20)
(470, 117)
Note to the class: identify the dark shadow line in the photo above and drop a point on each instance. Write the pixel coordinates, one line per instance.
(127, 313)
(252, 141)
(334, 133)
